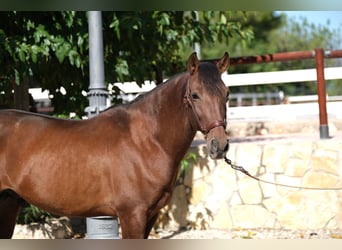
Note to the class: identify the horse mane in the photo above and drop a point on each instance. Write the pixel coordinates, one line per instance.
(140, 98)
(207, 73)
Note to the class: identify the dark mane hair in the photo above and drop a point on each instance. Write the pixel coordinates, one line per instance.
(142, 96)
(158, 87)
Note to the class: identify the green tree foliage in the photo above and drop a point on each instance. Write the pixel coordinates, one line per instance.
(301, 35)
(50, 49)
(274, 34)
(31, 214)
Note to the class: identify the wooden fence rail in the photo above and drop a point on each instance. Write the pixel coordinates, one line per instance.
(318, 54)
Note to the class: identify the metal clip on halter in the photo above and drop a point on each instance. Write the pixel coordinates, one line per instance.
(236, 167)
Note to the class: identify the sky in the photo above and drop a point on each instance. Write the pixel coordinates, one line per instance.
(319, 17)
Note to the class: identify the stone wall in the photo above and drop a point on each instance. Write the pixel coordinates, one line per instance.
(212, 195)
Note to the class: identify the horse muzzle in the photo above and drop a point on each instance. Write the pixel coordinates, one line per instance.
(217, 142)
(217, 148)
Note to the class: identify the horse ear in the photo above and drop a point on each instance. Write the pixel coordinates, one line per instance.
(193, 63)
(223, 63)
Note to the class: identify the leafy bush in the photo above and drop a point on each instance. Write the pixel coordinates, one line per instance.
(31, 214)
(185, 163)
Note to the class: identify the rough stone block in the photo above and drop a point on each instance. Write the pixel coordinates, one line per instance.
(297, 167)
(290, 212)
(335, 145)
(200, 217)
(268, 190)
(273, 204)
(248, 155)
(292, 219)
(339, 213)
(222, 219)
(325, 160)
(320, 207)
(274, 158)
(294, 182)
(235, 199)
(199, 172)
(250, 191)
(223, 179)
(200, 191)
(301, 150)
(251, 216)
(319, 179)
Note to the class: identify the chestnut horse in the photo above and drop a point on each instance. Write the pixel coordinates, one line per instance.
(122, 162)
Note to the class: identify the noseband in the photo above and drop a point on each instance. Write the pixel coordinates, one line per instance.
(214, 124)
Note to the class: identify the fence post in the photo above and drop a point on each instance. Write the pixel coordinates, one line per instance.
(322, 102)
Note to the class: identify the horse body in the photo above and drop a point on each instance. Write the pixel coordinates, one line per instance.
(123, 162)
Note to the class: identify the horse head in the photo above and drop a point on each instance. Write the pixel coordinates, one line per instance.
(206, 94)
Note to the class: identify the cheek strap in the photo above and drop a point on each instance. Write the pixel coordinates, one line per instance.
(205, 130)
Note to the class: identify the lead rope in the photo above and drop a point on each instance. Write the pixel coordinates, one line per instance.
(244, 171)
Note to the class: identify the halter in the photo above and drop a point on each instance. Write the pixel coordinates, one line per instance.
(211, 125)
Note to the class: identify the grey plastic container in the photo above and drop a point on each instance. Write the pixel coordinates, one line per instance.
(102, 227)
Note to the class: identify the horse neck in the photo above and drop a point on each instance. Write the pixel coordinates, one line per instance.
(166, 109)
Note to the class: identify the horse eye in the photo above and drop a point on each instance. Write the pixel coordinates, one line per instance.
(195, 96)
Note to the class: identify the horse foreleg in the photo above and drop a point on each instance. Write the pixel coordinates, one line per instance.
(9, 210)
(133, 224)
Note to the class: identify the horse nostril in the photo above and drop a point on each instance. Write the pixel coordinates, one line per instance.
(214, 145)
(217, 150)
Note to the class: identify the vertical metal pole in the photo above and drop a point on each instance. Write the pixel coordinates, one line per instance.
(197, 46)
(101, 227)
(97, 90)
(323, 117)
